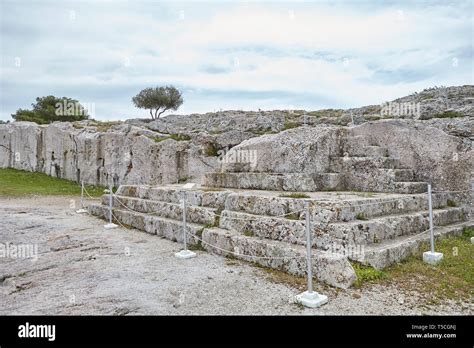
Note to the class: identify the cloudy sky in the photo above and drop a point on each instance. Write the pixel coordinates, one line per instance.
(231, 54)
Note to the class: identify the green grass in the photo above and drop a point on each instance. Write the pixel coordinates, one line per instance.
(292, 216)
(177, 137)
(18, 183)
(451, 203)
(211, 150)
(366, 274)
(449, 114)
(361, 216)
(294, 195)
(248, 233)
(290, 125)
(452, 278)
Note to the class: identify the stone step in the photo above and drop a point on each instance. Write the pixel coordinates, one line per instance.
(345, 164)
(331, 268)
(395, 250)
(367, 151)
(275, 181)
(163, 227)
(409, 187)
(376, 230)
(197, 214)
(350, 143)
(173, 194)
(263, 204)
(406, 175)
(269, 227)
(348, 210)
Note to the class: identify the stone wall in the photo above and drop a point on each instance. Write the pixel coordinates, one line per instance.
(126, 154)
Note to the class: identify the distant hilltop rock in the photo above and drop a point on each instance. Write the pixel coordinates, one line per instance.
(447, 103)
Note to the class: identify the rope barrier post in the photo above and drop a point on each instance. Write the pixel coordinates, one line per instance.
(82, 210)
(431, 256)
(185, 253)
(110, 225)
(310, 298)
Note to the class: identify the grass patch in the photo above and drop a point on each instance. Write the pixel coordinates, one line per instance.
(448, 114)
(17, 183)
(294, 195)
(366, 274)
(452, 278)
(212, 189)
(451, 203)
(198, 246)
(103, 126)
(290, 125)
(177, 137)
(292, 216)
(361, 216)
(248, 233)
(211, 150)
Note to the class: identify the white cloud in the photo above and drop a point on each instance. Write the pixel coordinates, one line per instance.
(308, 54)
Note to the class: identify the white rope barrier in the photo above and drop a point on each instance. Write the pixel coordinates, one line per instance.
(275, 216)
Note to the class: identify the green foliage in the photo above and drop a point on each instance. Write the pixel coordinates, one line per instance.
(15, 182)
(452, 278)
(294, 195)
(50, 109)
(290, 125)
(448, 114)
(451, 203)
(196, 247)
(361, 216)
(177, 137)
(248, 233)
(180, 137)
(292, 216)
(158, 100)
(366, 274)
(211, 150)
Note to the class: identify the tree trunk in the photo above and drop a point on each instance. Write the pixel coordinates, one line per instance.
(162, 112)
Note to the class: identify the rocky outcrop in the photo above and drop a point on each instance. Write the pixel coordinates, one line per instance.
(124, 154)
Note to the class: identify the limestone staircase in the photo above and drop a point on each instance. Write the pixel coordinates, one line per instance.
(268, 229)
(358, 165)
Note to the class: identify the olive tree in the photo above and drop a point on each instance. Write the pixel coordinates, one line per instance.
(158, 100)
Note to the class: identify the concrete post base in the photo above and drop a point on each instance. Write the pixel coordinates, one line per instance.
(432, 258)
(185, 254)
(311, 299)
(110, 226)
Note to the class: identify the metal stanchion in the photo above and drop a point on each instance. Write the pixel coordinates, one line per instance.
(431, 256)
(310, 298)
(82, 210)
(185, 253)
(111, 203)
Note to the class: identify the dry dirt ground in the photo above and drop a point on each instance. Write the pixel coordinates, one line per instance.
(82, 269)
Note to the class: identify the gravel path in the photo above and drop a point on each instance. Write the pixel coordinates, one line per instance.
(83, 269)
